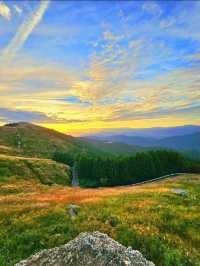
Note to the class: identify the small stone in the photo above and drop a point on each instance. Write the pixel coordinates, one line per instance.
(180, 191)
(73, 210)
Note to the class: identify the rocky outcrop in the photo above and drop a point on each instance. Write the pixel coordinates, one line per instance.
(88, 249)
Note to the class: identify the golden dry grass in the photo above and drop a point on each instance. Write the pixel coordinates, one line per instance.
(14, 158)
(32, 191)
(148, 217)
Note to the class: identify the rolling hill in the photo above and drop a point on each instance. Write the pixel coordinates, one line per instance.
(114, 147)
(26, 151)
(136, 141)
(27, 139)
(35, 141)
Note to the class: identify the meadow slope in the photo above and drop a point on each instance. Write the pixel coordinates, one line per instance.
(45, 171)
(26, 139)
(162, 224)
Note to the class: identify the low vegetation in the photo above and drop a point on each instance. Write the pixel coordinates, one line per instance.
(162, 224)
(44, 170)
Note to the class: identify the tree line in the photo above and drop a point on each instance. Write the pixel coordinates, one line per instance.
(95, 171)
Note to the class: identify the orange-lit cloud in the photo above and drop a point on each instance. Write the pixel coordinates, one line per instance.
(125, 80)
(5, 11)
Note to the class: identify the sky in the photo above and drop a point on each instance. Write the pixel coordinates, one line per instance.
(83, 66)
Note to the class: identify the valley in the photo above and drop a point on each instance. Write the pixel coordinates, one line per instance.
(37, 188)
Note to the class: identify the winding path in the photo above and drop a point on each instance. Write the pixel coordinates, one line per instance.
(157, 179)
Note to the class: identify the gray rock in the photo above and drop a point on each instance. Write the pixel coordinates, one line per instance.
(73, 210)
(88, 249)
(180, 191)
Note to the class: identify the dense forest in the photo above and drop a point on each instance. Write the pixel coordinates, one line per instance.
(95, 171)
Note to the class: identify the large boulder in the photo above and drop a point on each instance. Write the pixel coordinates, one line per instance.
(88, 249)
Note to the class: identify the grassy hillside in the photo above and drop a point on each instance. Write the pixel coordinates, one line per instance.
(162, 224)
(43, 170)
(35, 141)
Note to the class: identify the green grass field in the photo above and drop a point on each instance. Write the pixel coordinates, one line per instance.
(163, 225)
(43, 170)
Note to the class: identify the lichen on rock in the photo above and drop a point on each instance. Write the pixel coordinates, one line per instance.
(88, 249)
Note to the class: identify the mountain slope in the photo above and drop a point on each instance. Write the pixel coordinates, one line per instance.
(35, 141)
(132, 140)
(114, 147)
(30, 140)
(43, 170)
(186, 142)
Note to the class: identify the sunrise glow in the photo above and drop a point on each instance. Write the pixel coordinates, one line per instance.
(85, 66)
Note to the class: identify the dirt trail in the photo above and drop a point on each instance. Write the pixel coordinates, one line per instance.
(12, 157)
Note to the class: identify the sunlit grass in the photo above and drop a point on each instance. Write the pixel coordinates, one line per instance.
(46, 171)
(163, 225)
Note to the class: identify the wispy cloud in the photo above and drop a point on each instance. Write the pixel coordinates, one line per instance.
(111, 67)
(152, 8)
(12, 115)
(24, 31)
(18, 9)
(5, 11)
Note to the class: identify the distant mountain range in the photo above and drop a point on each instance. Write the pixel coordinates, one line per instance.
(185, 142)
(155, 133)
(182, 138)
